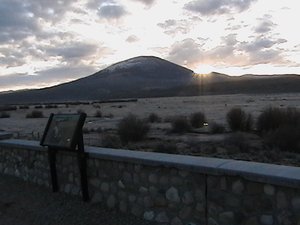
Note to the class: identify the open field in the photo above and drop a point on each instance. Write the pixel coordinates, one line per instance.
(198, 142)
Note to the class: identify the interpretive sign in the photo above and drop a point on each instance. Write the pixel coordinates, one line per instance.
(62, 130)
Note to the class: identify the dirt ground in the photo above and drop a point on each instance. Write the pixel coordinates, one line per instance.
(23, 203)
(199, 142)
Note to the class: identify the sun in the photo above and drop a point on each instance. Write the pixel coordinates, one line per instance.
(204, 69)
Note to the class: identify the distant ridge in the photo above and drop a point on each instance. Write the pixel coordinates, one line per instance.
(148, 76)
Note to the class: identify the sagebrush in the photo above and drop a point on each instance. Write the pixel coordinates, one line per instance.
(239, 120)
(132, 128)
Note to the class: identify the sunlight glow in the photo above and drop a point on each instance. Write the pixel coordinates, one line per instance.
(204, 69)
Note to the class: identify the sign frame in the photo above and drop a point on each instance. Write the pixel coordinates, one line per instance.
(57, 123)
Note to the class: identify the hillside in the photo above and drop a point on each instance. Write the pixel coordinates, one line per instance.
(148, 76)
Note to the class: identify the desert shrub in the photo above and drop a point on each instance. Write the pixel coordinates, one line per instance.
(131, 128)
(23, 107)
(8, 108)
(166, 147)
(110, 115)
(216, 128)
(35, 114)
(180, 124)
(4, 115)
(280, 128)
(98, 114)
(154, 118)
(51, 106)
(239, 120)
(286, 138)
(272, 118)
(197, 119)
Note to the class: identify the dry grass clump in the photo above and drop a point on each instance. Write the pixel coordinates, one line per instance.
(180, 124)
(98, 114)
(4, 115)
(132, 128)
(154, 118)
(111, 141)
(35, 114)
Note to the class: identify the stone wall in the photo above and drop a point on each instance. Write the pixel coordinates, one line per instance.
(168, 189)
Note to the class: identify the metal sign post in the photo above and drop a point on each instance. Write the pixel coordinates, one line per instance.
(82, 156)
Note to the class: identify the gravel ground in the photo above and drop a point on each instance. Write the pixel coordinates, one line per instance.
(23, 203)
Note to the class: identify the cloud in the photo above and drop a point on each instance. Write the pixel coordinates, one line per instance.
(225, 53)
(167, 24)
(111, 11)
(132, 39)
(266, 56)
(95, 4)
(146, 2)
(230, 52)
(263, 51)
(22, 19)
(218, 7)
(186, 52)
(11, 56)
(173, 27)
(49, 10)
(11, 61)
(190, 53)
(45, 77)
(265, 25)
(16, 21)
(258, 44)
(73, 50)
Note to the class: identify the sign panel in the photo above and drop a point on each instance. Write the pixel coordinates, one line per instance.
(62, 130)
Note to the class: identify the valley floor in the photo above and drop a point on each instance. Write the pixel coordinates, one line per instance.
(100, 130)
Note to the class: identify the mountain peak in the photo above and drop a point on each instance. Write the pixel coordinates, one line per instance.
(143, 63)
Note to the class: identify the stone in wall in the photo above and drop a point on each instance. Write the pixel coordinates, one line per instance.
(172, 195)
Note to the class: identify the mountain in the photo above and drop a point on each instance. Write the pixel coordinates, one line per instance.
(148, 76)
(144, 76)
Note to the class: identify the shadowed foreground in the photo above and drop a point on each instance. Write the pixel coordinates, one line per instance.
(22, 203)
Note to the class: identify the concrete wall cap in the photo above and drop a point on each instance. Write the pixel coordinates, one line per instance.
(254, 171)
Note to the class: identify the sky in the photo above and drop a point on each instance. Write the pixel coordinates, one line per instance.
(47, 42)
